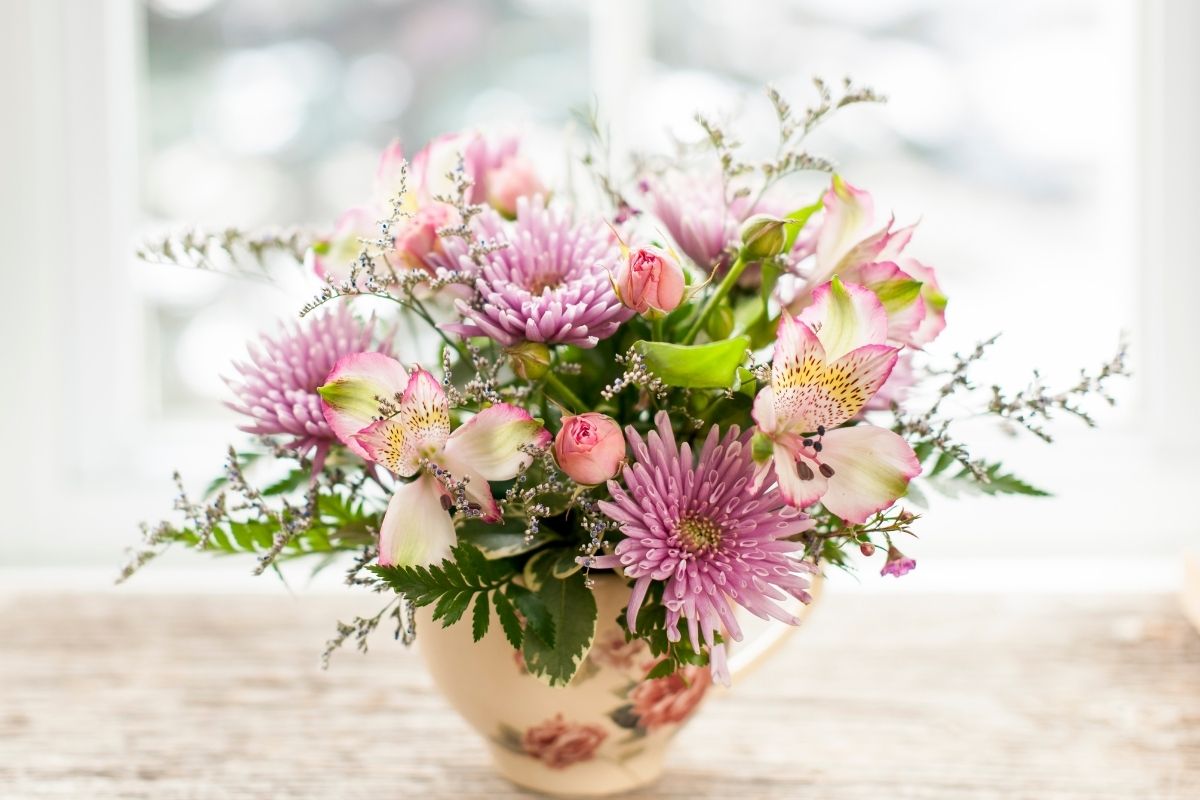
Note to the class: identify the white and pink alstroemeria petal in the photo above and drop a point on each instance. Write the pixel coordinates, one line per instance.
(425, 412)
(334, 255)
(350, 396)
(476, 487)
(871, 470)
(900, 294)
(390, 444)
(763, 411)
(934, 321)
(391, 177)
(845, 316)
(800, 482)
(491, 442)
(849, 214)
(850, 382)
(416, 528)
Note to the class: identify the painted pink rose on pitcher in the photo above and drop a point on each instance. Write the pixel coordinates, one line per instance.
(669, 700)
(558, 743)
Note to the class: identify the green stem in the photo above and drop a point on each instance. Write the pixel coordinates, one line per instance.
(710, 305)
(564, 394)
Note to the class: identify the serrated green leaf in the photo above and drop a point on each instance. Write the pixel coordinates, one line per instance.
(451, 606)
(572, 607)
(508, 620)
(533, 572)
(662, 669)
(698, 366)
(944, 461)
(481, 617)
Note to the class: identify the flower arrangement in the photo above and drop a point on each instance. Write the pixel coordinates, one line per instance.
(701, 377)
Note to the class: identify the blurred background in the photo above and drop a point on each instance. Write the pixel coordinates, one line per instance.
(1047, 146)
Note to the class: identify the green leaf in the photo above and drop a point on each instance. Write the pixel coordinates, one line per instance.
(662, 669)
(503, 539)
(699, 366)
(481, 617)
(451, 584)
(998, 483)
(572, 607)
(799, 218)
(537, 616)
(565, 564)
(294, 480)
(944, 461)
(508, 620)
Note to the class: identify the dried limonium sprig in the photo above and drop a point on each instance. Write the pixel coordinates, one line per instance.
(478, 247)
(231, 251)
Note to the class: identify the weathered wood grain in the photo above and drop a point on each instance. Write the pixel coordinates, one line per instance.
(956, 697)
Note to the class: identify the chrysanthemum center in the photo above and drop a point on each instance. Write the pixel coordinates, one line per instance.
(543, 281)
(699, 534)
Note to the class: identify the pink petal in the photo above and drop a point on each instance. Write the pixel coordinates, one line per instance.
(490, 442)
(349, 397)
(845, 316)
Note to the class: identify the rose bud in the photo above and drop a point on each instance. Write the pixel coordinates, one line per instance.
(762, 237)
(649, 279)
(590, 448)
(513, 179)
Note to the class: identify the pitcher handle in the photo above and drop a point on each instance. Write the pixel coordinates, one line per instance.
(750, 654)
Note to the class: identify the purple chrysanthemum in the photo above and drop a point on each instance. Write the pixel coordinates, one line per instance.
(708, 531)
(549, 284)
(277, 387)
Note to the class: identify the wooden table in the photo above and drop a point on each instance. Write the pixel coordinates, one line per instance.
(879, 697)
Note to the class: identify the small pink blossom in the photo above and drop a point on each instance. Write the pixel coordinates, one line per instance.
(649, 279)
(513, 179)
(897, 563)
(559, 744)
(669, 700)
(589, 448)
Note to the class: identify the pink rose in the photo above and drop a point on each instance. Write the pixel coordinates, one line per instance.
(589, 448)
(669, 700)
(649, 279)
(558, 743)
(513, 179)
(417, 236)
(611, 650)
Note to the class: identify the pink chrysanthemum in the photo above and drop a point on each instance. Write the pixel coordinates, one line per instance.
(704, 529)
(277, 387)
(694, 211)
(549, 284)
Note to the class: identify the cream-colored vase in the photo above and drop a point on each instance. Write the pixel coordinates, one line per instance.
(606, 732)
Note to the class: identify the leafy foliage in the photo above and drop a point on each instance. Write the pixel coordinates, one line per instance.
(704, 366)
(651, 626)
(571, 609)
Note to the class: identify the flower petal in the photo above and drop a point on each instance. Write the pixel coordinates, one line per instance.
(478, 490)
(417, 529)
(349, 398)
(845, 316)
(796, 490)
(849, 213)
(871, 470)
(935, 302)
(387, 442)
(900, 294)
(490, 442)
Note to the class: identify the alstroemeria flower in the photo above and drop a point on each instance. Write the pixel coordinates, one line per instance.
(849, 244)
(828, 363)
(416, 441)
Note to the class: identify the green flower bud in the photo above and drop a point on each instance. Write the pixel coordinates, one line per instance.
(763, 236)
(530, 360)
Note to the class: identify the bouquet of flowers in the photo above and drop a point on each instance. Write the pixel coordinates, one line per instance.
(708, 375)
